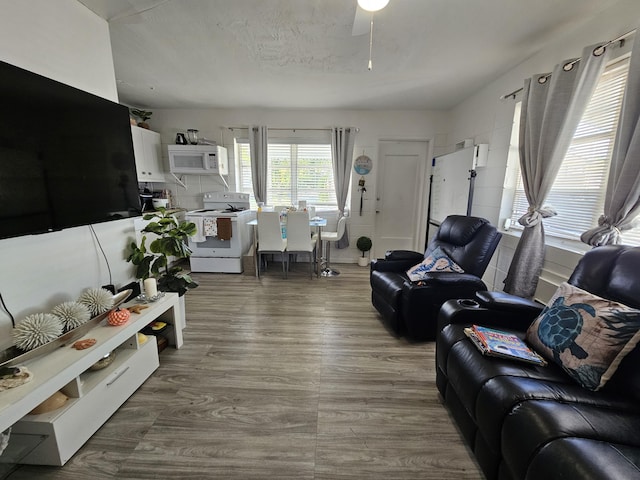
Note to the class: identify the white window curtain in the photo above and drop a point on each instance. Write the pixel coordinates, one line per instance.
(258, 146)
(622, 198)
(551, 111)
(578, 192)
(342, 143)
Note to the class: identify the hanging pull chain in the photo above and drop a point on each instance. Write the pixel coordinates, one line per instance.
(370, 43)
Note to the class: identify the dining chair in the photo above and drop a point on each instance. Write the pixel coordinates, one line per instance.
(270, 238)
(279, 208)
(329, 237)
(299, 238)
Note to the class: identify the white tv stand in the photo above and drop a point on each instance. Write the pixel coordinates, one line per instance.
(93, 395)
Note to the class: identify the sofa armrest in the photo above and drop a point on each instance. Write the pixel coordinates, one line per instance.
(445, 280)
(421, 301)
(469, 311)
(508, 303)
(397, 261)
(404, 255)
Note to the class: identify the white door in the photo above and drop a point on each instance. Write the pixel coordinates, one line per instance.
(401, 196)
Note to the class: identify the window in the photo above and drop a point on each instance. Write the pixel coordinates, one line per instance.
(296, 171)
(578, 191)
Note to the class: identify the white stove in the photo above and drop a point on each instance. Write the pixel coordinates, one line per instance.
(223, 236)
(224, 204)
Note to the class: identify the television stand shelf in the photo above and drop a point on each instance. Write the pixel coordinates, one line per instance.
(93, 395)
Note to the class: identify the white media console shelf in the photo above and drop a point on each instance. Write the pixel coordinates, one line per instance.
(93, 395)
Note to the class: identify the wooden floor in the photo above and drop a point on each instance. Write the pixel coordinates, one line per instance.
(280, 379)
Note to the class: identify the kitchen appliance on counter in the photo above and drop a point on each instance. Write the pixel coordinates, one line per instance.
(223, 236)
(146, 202)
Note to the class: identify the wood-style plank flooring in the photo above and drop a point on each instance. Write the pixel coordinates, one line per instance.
(280, 379)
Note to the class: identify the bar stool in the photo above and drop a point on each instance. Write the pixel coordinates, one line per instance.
(329, 237)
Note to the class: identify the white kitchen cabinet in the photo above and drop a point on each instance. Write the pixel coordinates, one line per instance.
(147, 150)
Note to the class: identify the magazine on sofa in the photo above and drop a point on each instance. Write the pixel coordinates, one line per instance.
(497, 343)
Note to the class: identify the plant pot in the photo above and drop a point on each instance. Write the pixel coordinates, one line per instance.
(363, 261)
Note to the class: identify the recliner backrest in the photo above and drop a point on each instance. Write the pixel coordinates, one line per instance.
(612, 272)
(469, 241)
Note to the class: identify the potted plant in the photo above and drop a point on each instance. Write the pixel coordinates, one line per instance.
(364, 245)
(171, 241)
(143, 115)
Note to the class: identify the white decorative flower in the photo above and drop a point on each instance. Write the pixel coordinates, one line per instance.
(72, 314)
(36, 330)
(99, 300)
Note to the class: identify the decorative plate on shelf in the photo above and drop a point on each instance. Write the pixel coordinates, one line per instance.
(143, 298)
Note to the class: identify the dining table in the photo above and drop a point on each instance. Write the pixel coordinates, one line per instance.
(314, 222)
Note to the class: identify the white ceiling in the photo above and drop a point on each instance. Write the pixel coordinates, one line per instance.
(427, 54)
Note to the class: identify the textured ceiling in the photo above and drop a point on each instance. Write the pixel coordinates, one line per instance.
(427, 54)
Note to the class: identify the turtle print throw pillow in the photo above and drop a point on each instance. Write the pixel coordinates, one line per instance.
(436, 261)
(588, 336)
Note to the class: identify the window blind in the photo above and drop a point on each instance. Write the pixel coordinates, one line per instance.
(298, 171)
(578, 191)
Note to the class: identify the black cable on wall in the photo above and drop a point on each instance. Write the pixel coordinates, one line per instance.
(4, 306)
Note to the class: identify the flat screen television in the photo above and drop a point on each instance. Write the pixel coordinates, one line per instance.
(66, 156)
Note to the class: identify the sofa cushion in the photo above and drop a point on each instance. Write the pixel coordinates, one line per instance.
(500, 395)
(586, 459)
(436, 261)
(547, 420)
(469, 373)
(587, 335)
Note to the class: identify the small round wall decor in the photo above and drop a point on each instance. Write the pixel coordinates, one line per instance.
(363, 165)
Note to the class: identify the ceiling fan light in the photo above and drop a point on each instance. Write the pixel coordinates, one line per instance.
(372, 5)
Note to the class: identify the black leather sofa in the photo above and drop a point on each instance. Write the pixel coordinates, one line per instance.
(411, 308)
(536, 423)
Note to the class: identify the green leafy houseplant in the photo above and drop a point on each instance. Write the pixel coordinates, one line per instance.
(364, 244)
(171, 240)
(143, 115)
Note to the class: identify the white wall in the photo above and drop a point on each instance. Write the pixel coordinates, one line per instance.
(62, 40)
(487, 119)
(65, 41)
(373, 125)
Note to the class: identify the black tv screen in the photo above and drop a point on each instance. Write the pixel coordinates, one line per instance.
(66, 156)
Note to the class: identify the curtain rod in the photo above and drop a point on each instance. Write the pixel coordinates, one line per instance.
(293, 129)
(596, 51)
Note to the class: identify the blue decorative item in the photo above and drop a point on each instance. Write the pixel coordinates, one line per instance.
(436, 261)
(560, 325)
(362, 165)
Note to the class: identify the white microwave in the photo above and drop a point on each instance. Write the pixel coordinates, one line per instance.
(198, 159)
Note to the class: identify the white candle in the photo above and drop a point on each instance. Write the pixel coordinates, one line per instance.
(150, 287)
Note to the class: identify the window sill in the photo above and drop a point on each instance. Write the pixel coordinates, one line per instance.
(561, 244)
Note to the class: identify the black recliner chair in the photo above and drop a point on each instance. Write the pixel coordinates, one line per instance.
(411, 308)
(529, 422)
